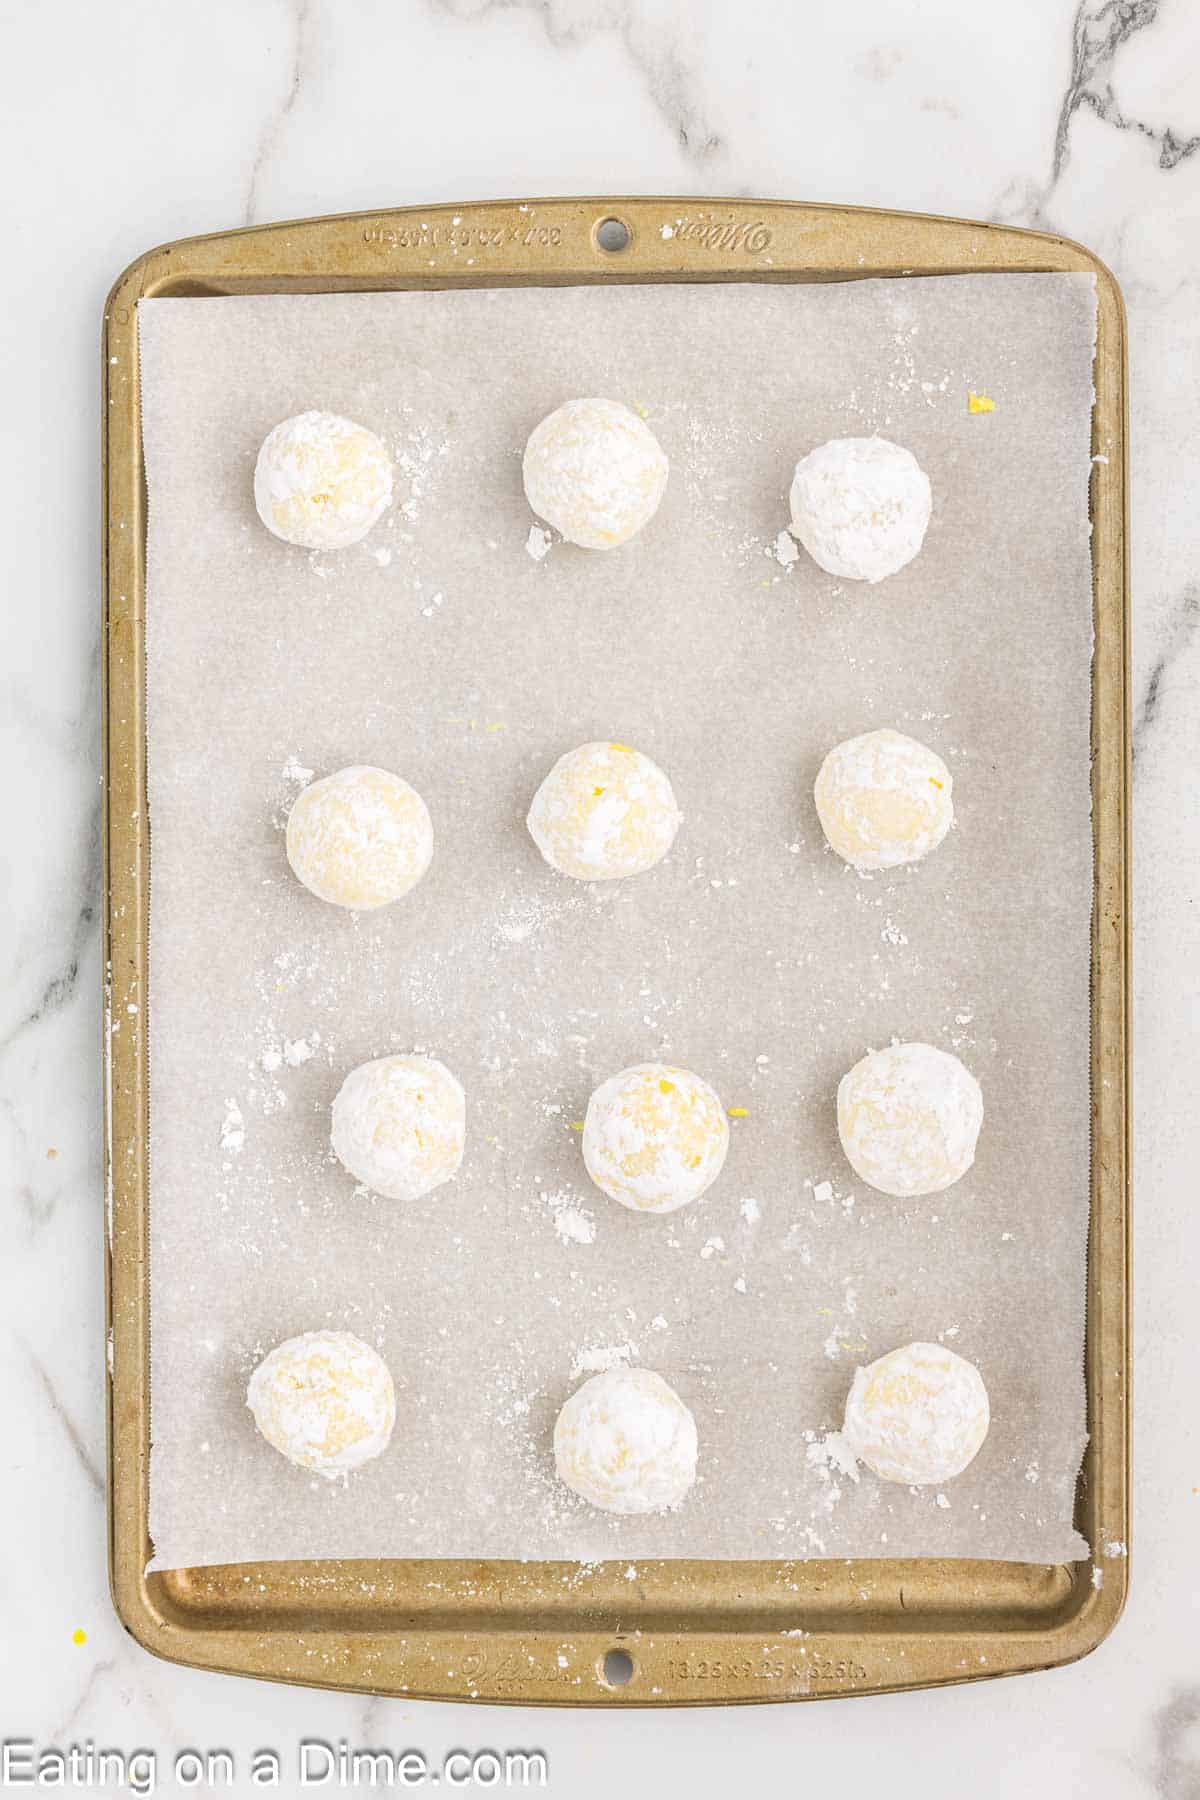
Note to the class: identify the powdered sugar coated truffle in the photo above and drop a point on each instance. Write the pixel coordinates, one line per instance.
(918, 1415)
(360, 838)
(655, 1137)
(909, 1119)
(626, 1442)
(399, 1125)
(860, 507)
(884, 799)
(321, 481)
(604, 811)
(594, 471)
(324, 1400)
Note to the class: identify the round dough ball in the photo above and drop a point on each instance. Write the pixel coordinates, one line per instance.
(595, 472)
(883, 799)
(360, 839)
(399, 1125)
(324, 1400)
(321, 481)
(604, 811)
(909, 1119)
(654, 1137)
(919, 1415)
(626, 1442)
(860, 507)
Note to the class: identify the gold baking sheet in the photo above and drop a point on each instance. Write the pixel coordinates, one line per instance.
(697, 1631)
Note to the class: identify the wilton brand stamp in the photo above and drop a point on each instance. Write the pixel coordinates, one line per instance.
(751, 237)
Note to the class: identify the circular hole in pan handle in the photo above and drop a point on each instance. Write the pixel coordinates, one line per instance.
(612, 235)
(618, 1668)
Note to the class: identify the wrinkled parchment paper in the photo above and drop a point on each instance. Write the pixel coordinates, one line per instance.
(440, 648)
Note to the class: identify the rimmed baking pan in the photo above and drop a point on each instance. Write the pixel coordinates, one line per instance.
(693, 1632)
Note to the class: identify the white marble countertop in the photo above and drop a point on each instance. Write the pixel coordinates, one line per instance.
(128, 124)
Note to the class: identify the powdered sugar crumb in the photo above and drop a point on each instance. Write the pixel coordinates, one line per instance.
(573, 1223)
(603, 1356)
(828, 1457)
(233, 1129)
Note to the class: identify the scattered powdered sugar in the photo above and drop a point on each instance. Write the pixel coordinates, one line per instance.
(294, 771)
(292, 1051)
(573, 1223)
(526, 916)
(750, 1210)
(784, 549)
(233, 1129)
(538, 543)
(416, 458)
(599, 1357)
(574, 1226)
(1114, 1547)
(829, 1457)
(713, 1246)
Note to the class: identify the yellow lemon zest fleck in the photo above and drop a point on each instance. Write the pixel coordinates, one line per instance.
(739, 1112)
(576, 1124)
(934, 781)
(596, 792)
(79, 1635)
(980, 403)
(627, 748)
(666, 1087)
